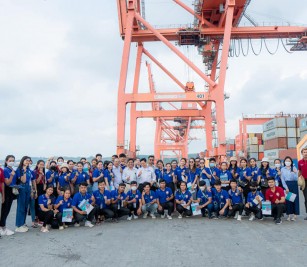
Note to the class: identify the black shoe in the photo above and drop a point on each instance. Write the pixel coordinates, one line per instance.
(278, 221)
(305, 218)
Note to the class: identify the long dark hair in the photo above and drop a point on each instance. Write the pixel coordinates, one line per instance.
(22, 161)
(235, 167)
(291, 162)
(7, 158)
(37, 163)
(194, 165)
(264, 170)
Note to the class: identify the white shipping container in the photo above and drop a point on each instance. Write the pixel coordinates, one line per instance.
(275, 133)
(274, 123)
(303, 124)
(272, 154)
(303, 134)
(291, 122)
(298, 132)
(253, 155)
(261, 148)
(230, 141)
(291, 132)
(252, 148)
(292, 142)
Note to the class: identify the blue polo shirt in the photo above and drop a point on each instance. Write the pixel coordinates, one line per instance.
(168, 176)
(179, 171)
(20, 172)
(225, 175)
(220, 197)
(7, 174)
(192, 174)
(114, 195)
(43, 200)
(134, 195)
(251, 196)
(246, 171)
(150, 197)
(97, 173)
(254, 173)
(82, 177)
(203, 196)
(107, 175)
(262, 173)
(186, 196)
(159, 174)
(162, 195)
(62, 181)
(237, 170)
(65, 205)
(210, 171)
(235, 196)
(78, 198)
(101, 198)
(54, 179)
(277, 178)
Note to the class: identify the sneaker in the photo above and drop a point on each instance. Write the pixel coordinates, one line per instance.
(293, 219)
(289, 219)
(44, 230)
(252, 217)
(145, 215)
(278, 221)
(163, 216)
(21, 229)
(77, 225)
(179, 216)
(239, 218)
(129, 218)
(65, 226)
(88, 224)
(152, 216)
(26, 227)
(236, 216)
(5, 231)
(169, 217)
(61, 228)
(135, 217)
(34, 225)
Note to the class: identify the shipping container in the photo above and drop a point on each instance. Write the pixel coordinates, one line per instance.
(260, 155)
(230, 141)
(253, 148)
(276, 143)
(230, 153)
(261, 148)
(289, 152)
(275, 133)
(253, 155)
(303, 134)
(303, 124)
(291, 122)
(291, 132)
(292, 142)
(275, 123)
(272, 153)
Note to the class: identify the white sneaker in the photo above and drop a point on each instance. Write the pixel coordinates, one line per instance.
(135, 217)
(179, 216)
(88, 224)
(61, 228)
(129, 218)
(236, 216)
(152, 216)
(26, 227)
(77, 224)
(239, 218)
(145, 215)
(5, 231)
(163, 216)
(21, 229)
(44, 230)
(169, 217)
(252, 217)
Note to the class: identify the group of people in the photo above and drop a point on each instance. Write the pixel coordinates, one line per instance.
(107, 190)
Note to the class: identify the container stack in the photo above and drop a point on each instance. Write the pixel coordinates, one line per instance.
(230, 148)
(303, 127)
(255, 148)
(280, 137)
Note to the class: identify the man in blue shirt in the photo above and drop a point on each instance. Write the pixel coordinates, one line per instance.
(236, 205)
(254, 202)
(134, 201)
(220, 200)
(165, 200)
(79, 213)
(212, 172)
(118, 202)
(149, 201)
(102, 201)
(204, 198)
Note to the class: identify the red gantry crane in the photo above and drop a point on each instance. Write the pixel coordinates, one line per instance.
(216, 27)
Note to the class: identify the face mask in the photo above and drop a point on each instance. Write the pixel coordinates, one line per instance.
(133, 188)
(212, 165)
(277, 165)
(60, 163)
(202, 188)
(11, 164)
(288, 163)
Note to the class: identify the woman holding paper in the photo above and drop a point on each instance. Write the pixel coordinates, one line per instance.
(62, 202)
(289, 179)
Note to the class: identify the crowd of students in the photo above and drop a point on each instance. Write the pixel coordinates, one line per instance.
(135, 187)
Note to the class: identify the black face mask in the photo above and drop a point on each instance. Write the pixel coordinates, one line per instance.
(53, 168)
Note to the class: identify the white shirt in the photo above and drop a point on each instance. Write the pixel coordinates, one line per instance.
(147, 175)
(129, 173)
(117, 176)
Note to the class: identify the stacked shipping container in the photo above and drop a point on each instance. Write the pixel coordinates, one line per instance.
(230, 148)
(303, 127)
(255, 148)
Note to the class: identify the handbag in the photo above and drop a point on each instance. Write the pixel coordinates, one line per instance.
(264, 182)
(301, 182)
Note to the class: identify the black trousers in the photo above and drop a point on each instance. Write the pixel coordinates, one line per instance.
(133, 208)
(119, 212)
(278, 210)
(89, 217)
(171, 185)
(107, 213)
(6, 206)
(305, 195)
(236, 207)
(59, 218)
(255, 210)
(169, 206)
(46, 217)
(40, 191)
(182, 210)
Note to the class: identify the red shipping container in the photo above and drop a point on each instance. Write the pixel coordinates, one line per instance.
(260, 155)
(260, 142)
(276, 143)
(289, 152)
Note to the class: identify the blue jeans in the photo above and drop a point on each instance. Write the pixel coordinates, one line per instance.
(151, 208)
(23, 202)
(32, 209)
(217, 207)
(209, 208)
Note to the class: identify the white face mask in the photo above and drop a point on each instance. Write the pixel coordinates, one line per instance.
(133, 188)
(60, 163)
(288, 163)
(11, 164)
(277, 165)
(202, 188)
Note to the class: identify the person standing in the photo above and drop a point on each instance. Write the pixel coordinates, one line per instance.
(145, 174)
(302, 171)
(117, 171)
(129, 174)
(289, 182)
(2, 192)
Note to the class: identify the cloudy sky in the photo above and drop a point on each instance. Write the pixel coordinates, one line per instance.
(60, 62)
